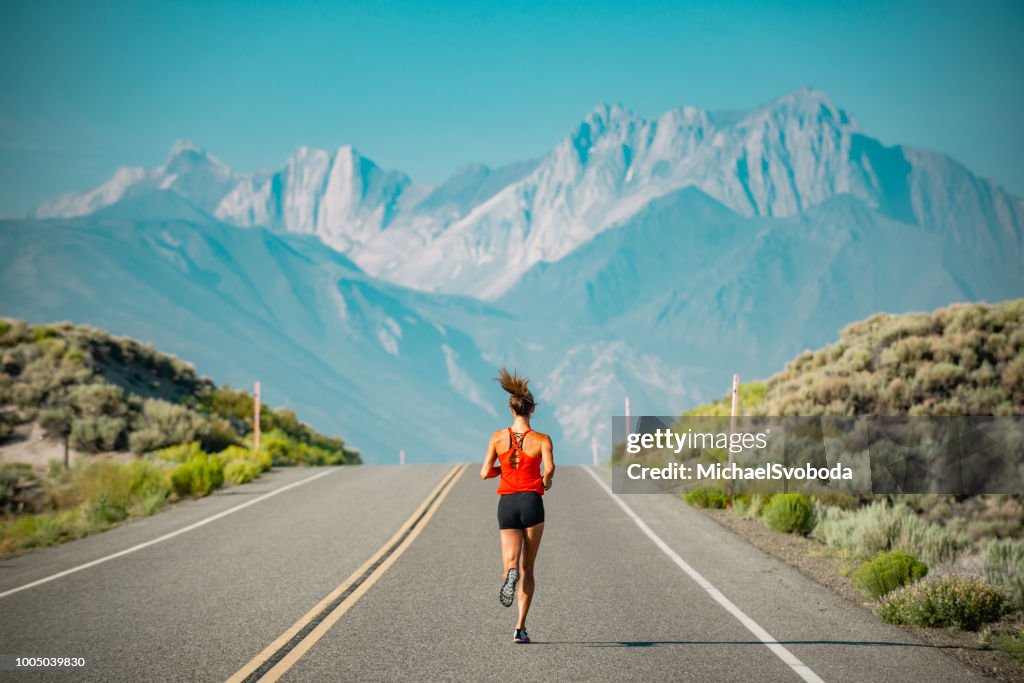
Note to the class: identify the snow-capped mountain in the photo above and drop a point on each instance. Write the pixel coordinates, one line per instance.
(343, 198)
(189, 171)
(478, 232)
(776, 161)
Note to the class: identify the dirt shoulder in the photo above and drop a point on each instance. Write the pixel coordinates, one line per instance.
(813, 559)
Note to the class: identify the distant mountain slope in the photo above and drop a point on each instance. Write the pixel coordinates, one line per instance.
(481, 230)
(247, 304)
(701, 292)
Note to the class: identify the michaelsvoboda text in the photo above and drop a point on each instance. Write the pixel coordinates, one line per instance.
(736, 442)
(771, 471)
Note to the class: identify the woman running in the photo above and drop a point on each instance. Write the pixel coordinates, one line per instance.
(520, 451)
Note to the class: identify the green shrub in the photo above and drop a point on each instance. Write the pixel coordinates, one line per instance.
(56, 422)
(108, 509)
(938, 376)
(960, 601)
(843, 501)
(1004, 567)
(104, 485)
(182, 452)
(877, 527)
(880, 527)
(146, 440)
(741, 503)
(790, 512)
(230, 403)
(218, 434)
(758, 502)
(234, 453)
(92, 400)
(28, 394)
(887, 572)
(55, 470)
(95, 434)
(13, 332)
(20, 489)
(146, 478)
(706, 498)
(181, 479)
(41, 332)
(280, 446)
(30, 531)
(198, 477)
(164, 424)
(74, 357)
(240, 471)
(91, 497)
(285, 449)
(149, 504)
(933, 543)
(260, 459)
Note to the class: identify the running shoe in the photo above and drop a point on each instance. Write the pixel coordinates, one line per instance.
(520, 636)
(508, 589)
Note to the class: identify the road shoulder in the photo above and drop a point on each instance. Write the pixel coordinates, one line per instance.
(836, 639)
(810, 559)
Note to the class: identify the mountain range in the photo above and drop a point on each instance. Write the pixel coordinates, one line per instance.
(648, 257)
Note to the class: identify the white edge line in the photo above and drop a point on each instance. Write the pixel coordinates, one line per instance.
(159, 539)
(791, 660)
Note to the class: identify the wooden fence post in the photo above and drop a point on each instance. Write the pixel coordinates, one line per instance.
(256, 417)
(732, 426)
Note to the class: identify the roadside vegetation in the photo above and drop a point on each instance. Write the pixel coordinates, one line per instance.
(143, 428)
(966, 359)
(934, 561)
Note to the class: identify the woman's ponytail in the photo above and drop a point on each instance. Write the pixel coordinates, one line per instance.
(520, 399)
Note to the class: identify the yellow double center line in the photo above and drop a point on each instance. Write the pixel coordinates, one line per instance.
(291, 645)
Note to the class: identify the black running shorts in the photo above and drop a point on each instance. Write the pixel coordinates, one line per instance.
(520, 510)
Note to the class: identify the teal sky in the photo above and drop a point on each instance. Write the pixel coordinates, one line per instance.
(426, 87)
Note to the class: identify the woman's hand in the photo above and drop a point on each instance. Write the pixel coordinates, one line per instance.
(547, 483)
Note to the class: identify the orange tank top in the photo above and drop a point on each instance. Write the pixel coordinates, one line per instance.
(525, 476)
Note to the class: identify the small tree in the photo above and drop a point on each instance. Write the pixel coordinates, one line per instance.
(56, 422)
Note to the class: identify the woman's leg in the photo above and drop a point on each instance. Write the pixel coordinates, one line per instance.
(531, 544)
(511, 549)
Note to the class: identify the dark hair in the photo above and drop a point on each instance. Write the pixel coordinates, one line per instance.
(520, 399)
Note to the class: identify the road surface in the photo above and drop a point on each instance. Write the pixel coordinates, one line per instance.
(392, 573)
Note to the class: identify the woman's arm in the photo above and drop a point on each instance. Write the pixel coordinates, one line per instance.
(489, 469)
(547, 452)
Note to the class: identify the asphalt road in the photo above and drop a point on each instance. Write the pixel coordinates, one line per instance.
(612, 603)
